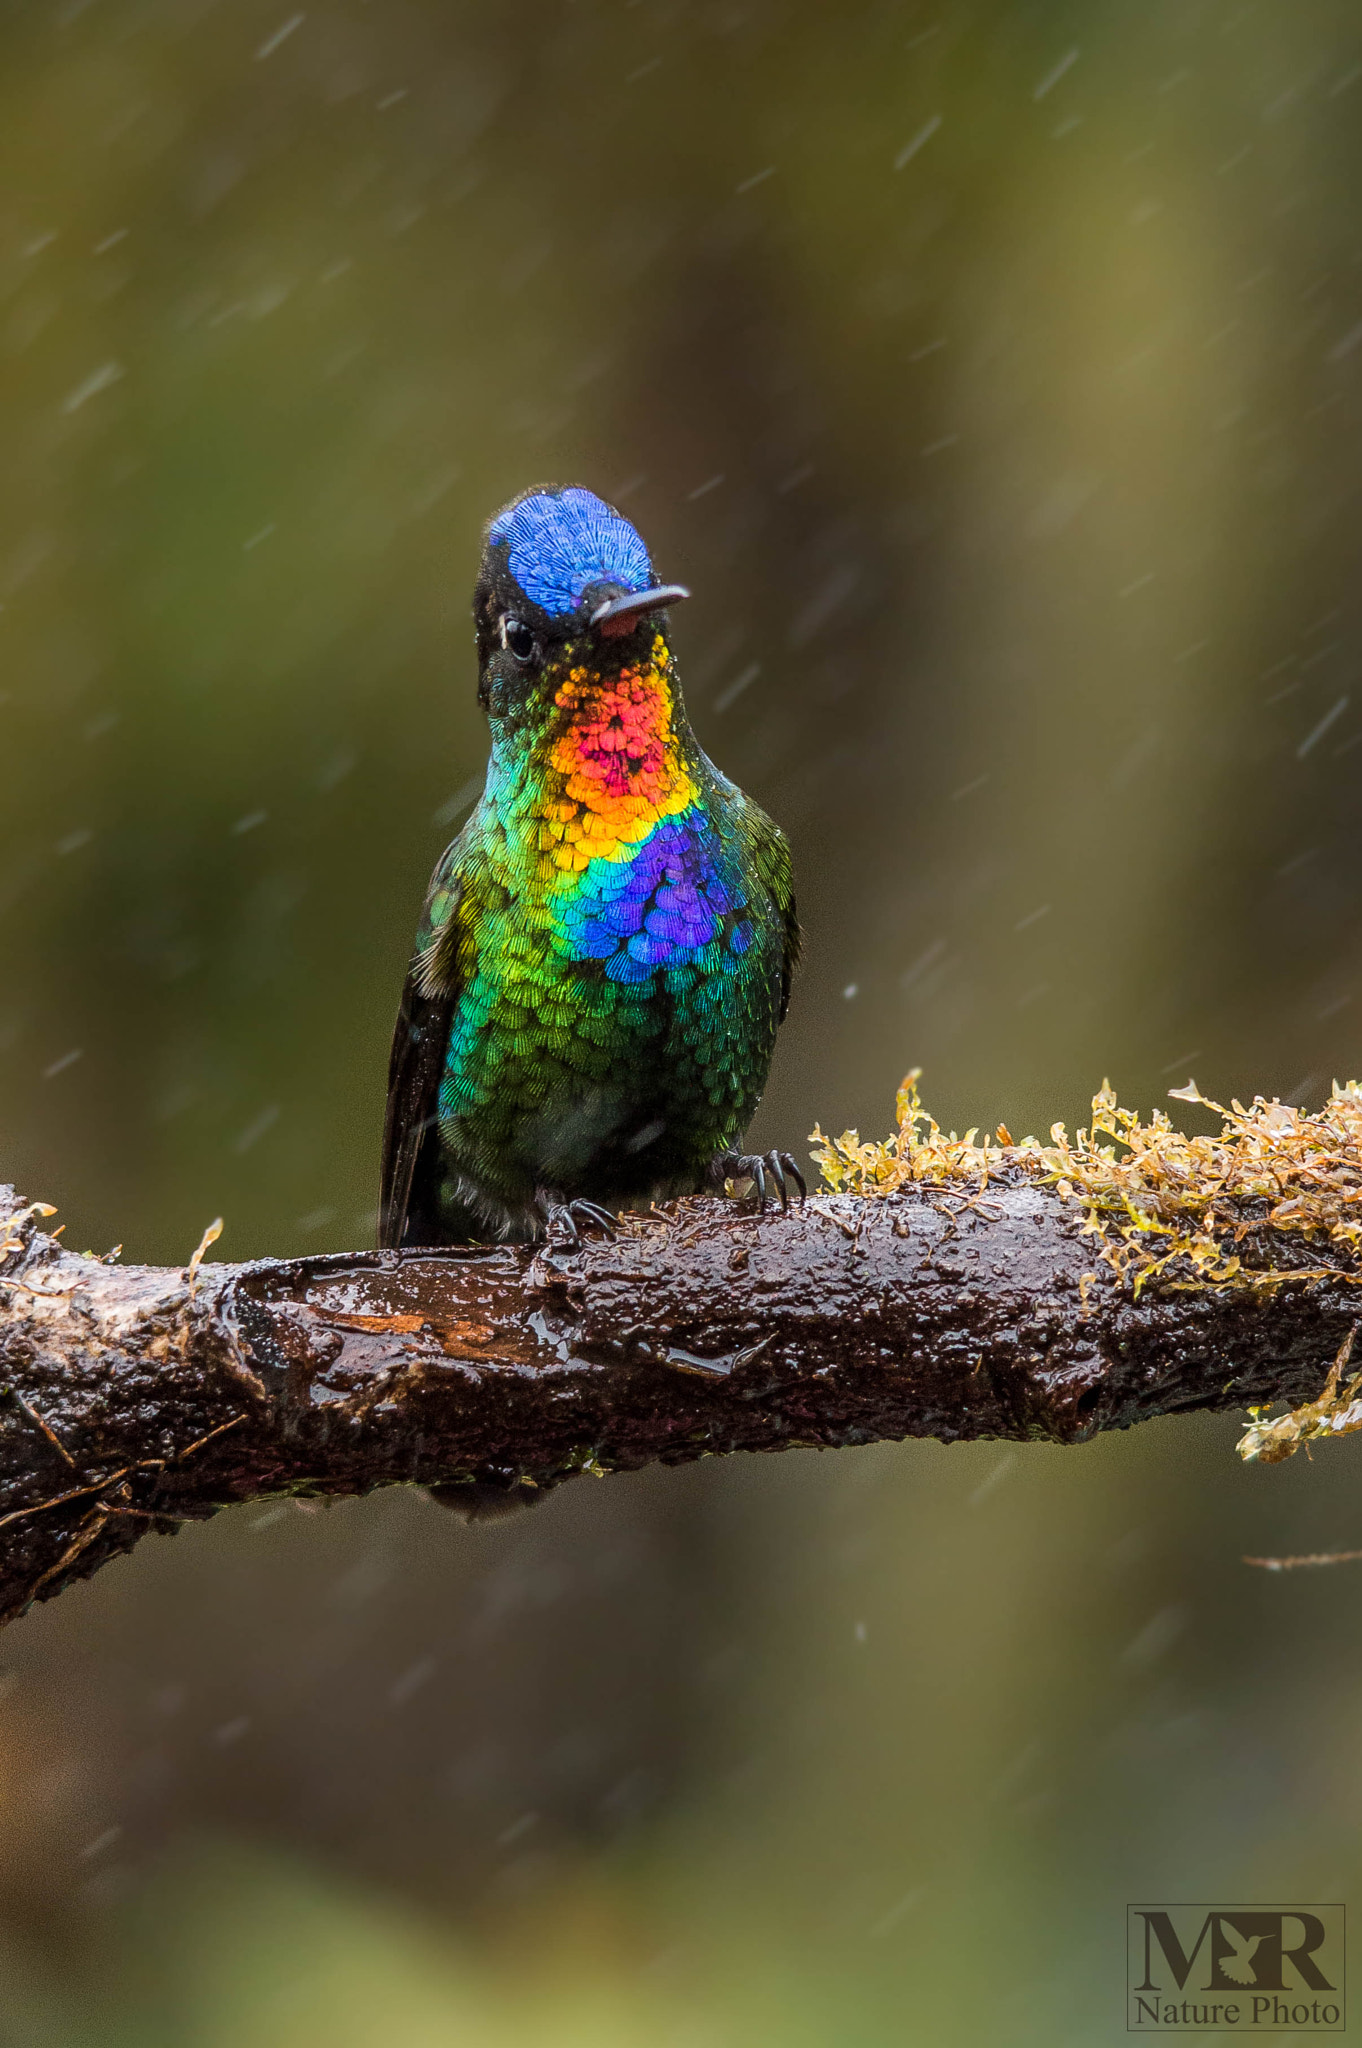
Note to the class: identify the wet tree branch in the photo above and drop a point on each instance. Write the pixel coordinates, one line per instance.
(135, 1398)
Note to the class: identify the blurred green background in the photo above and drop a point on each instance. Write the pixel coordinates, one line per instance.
(993, 373)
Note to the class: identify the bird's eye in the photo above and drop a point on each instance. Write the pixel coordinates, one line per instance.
(519, 639)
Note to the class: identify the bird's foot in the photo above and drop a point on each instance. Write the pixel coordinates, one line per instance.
(755, 1166)
(564, 1220)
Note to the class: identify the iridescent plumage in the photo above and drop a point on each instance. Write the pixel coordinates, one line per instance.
(606, 949)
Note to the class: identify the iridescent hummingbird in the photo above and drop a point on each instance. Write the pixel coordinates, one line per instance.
(606, 949)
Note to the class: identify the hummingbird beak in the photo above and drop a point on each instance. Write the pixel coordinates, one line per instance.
(621, 614)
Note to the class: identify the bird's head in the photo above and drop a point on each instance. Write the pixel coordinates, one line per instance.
(565, 585)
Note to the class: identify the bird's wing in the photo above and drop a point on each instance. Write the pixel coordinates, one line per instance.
(1239, 1965)
(772, 852)
(409, 1188)
(791, 956)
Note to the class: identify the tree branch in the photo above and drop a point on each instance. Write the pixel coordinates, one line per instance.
(141, 1397)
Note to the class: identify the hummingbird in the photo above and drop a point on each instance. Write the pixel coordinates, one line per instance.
(606, 949)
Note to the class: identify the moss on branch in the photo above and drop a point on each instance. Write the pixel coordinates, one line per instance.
(938, 1286)
(1190, 1212)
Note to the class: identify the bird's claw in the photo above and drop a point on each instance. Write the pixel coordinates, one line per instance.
(755, 1166)
(563, 1220)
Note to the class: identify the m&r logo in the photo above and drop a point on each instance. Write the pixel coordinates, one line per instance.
(1246, 1969)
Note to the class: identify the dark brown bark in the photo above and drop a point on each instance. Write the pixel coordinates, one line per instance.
(135, 1398)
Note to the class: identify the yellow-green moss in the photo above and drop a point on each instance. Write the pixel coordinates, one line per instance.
(1192, 1212)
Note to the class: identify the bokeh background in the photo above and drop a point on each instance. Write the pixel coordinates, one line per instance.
(992, 370)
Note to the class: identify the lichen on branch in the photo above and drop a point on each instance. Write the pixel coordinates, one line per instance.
(1192, 1212)
(937, 1286)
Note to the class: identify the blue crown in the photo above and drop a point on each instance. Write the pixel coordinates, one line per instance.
(563, 542)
